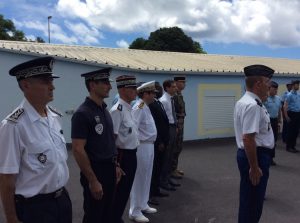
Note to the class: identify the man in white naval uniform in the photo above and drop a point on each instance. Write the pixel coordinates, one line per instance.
(33, 161)
(147, 133)
(255, 141)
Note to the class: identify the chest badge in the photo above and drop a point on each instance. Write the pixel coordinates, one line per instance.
(99, 126)
(42, 158)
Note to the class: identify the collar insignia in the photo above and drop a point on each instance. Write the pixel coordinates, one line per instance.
(120, 107)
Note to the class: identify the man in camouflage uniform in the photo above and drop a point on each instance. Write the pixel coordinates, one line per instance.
(180, 113)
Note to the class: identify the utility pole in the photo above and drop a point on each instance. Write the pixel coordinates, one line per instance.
(49, 17)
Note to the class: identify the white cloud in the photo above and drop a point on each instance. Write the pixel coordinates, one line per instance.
(85, 34)
(56, 32)
(270, 22)
(122, 44)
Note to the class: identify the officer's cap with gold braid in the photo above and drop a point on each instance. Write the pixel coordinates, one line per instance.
(101, 75)
(126, 81)
(40, 67)
(258, 70)
(147, 87)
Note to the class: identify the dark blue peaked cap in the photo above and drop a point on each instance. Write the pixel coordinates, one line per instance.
(258, 70)
(274, 84)
(102, 74)
(39, 67)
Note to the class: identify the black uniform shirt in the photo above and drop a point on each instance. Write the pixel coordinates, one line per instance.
(94, 123)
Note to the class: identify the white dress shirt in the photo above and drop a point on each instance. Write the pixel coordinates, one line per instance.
(33, 148)
(124, 126)
(167, 103)
(250, 116)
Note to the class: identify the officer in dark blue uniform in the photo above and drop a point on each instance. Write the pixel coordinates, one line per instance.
(94, 148)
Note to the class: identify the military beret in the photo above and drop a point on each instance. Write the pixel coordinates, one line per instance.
(179, 78)
(274, 84)
(295, 82)
(147, 87)
(258, 70)
(102, 75)
(39, 67)
(126, 81)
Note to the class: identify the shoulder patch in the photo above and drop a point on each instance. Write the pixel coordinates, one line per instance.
(55, 111)
(120, 107)
(258, 102)
(16, 115)
(141, 105)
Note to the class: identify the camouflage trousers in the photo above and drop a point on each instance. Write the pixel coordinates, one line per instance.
(178, 144)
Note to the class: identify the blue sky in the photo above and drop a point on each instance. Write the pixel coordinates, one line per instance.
(267, 28)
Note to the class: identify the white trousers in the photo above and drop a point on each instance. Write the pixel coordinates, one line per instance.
(140, 190)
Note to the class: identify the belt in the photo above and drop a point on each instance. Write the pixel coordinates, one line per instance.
(127, 150)
(261, 149)
(41, 197)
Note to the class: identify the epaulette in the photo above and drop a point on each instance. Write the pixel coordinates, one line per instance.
(120, 107)
(258, 102)
(55, 111)
(16, 115)
(141, 105)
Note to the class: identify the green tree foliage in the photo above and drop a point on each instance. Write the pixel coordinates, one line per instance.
(168, 39)
(40, 40)
(8, 31)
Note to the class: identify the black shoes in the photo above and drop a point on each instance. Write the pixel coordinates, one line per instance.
(153, 201)
(292, 150)
(174, 183)
(168, 187)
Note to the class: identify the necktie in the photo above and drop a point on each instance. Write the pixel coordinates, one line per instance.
(173, 110)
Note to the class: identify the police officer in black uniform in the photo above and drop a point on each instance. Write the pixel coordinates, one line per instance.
(94, 149)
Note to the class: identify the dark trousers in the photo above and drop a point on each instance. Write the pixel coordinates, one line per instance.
(99, 210)
(156, 172)
(168, 157)
(252, 197)
(274, 125)
(45, 210)
(128, 162)
(284, 130)
(293, 129)
(178, 144)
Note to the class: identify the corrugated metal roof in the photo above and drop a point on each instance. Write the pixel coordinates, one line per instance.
(152, 60)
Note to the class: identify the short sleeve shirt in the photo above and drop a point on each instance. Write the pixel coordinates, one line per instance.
(124, 126)
(273, 105)
(293, 101)
(34, 148)
(250, 116)
(94, 124)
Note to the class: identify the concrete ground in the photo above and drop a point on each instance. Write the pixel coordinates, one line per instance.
(209, 191)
